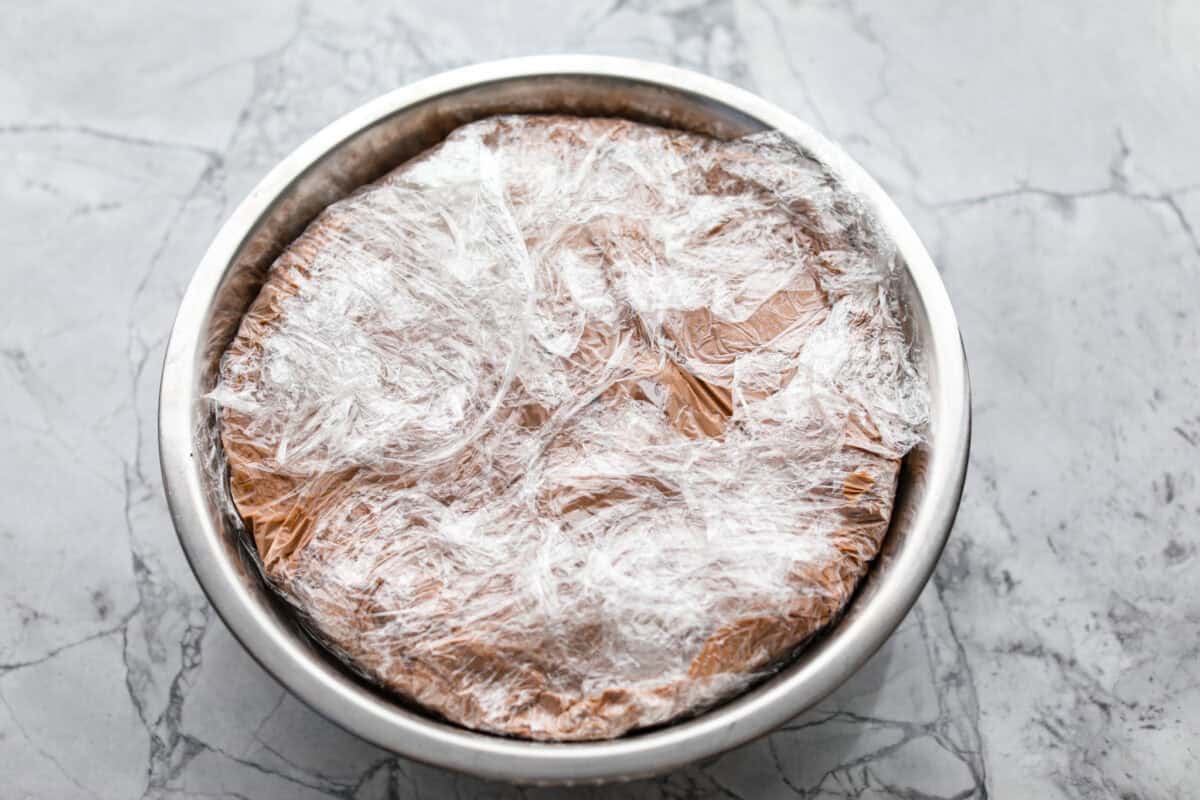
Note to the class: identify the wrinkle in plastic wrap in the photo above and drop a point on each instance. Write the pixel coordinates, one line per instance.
(573, 426)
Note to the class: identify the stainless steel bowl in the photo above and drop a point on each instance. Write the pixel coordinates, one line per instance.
(373, 139)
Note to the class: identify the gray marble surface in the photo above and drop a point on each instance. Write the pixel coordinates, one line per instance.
(1046, 151)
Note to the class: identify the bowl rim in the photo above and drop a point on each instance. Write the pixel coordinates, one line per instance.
(356, 708)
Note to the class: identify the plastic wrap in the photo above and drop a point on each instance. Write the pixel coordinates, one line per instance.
(573, 426)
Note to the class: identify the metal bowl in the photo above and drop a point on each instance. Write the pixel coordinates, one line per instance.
(362, 146)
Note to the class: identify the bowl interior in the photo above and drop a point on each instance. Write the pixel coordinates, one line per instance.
(356, 150)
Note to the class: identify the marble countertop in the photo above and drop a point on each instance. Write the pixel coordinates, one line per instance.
(1046, 151)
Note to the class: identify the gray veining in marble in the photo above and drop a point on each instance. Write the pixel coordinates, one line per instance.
(1047, 152)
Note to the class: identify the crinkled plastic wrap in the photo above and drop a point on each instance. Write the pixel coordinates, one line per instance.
(573, 426)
